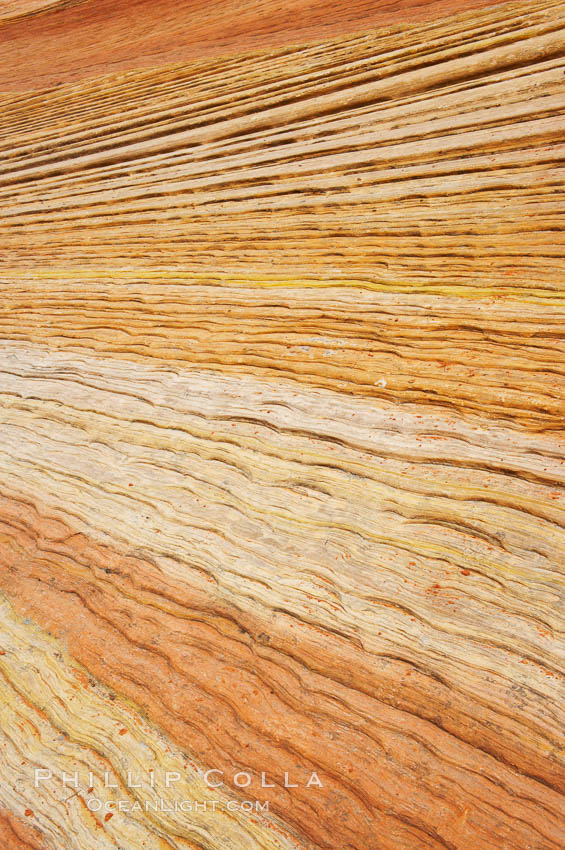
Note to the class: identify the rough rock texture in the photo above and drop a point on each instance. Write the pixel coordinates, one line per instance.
(281, 426)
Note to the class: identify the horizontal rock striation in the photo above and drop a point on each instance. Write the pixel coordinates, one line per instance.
(281, 426)
(258, 556)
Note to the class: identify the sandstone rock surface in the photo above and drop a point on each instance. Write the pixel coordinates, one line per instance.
(281, 425)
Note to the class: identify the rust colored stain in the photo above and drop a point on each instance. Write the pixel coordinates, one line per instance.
(286, 701)
(17, 835)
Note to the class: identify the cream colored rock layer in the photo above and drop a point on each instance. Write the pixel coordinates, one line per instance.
(55, 719)
(281, 425)
(501, 357)
(411, 533)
